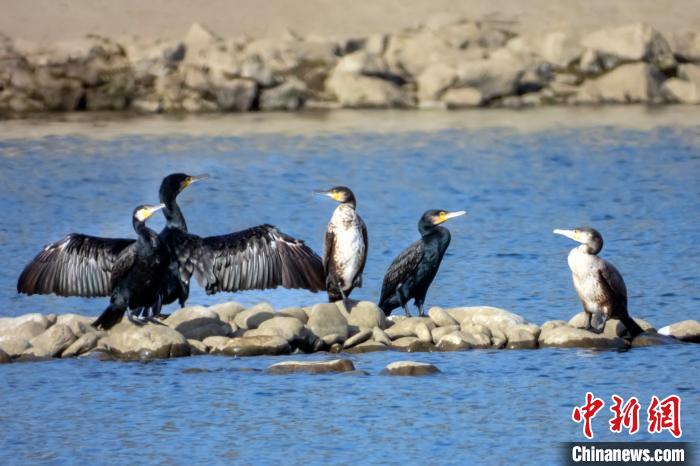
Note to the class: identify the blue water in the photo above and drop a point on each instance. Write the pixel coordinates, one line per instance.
(641, 189)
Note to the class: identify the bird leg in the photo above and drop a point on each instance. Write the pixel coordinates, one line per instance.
(590, 326)
(404, 304)
(342, 307)
(419, 305)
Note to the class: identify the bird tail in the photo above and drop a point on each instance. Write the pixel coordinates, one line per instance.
(109, 318)
(631, 326)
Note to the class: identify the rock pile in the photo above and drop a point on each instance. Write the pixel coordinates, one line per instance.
(441, 64)
(358, 327)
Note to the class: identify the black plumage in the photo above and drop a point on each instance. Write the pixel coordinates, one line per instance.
(129, 271)
(598, 283)
(410, 275)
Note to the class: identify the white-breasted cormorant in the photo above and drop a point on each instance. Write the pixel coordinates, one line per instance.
(344, 246)
(599, 285)
(130, 272)
(412, 272)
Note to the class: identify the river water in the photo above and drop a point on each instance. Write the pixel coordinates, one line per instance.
(633, 175)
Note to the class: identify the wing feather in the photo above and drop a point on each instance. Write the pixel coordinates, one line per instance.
(401, 268)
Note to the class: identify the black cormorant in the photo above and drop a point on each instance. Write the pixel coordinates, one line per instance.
(412, 272)
(599, 285)
(130, 272)
(257, 258)
(344, 247)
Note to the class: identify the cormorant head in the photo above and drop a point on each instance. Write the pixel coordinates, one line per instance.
(432, 218)
(340, 194)
(174, 184)
(144, 212)
(587, 236)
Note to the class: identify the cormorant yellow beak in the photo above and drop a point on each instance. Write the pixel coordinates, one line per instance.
(335, 195)
(445, 216)
(191, 179)
(573, 234)
(147, 211)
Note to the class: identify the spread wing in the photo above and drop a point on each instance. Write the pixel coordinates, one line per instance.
(401, 268)
(77, 265)
(259, 258)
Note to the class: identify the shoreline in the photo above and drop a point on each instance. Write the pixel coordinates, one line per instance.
(311, 123)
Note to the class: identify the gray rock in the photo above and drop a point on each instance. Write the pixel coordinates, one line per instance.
(52, 342)
(326, 319)
(410, 368)
(679, 91)
(359, 91)
(653, 339)
(197, 347)
(254, 316)
(550, 324)
(227, 312)
(580, 320)
(290, 95)
(13, 345)
(150, 341)
(689, 72)
(9, 325)
(257, 346)
(522, 336)
(454, 341)
(558, 48)
(630, 83)
(235, 95)
(686, 45)
(570, 337)
(439, 332)
(615, 328)
(368, 346)
(464, 97)
(296, 312)
(434, 81)
(380, 336)
(291, 329)
(78, 324)
(87, 342)
(590, 63)
(407, 327)
(359, 337)
(333, 339)
(491, 317)
(215, 344)
(478, 336)
(311, 367)
(411, 345)
(198, 323)
(423, 333)
(498, 338)
(687, 330)
(632, 42)
(496, 76)
(365, 314)
(441, 318)
(4, 357)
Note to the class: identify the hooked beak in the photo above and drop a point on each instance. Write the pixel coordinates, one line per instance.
(324, 192)
(192, 179)
(148, 211)
(449, 215)
(568, 233)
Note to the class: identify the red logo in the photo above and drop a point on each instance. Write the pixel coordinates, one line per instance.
(626, 416)
(587, 412)
(665, 415)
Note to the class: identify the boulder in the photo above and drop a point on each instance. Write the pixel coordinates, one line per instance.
(441, 318)
(311, 367)
(686, 45)
(434, 81)
(198, 323)
(365, 314)
(630, 83)
(689, 72)
(558, 48)
(653, 339)
(580, 320)
(464, 97)
(326, 319)
(257, 346)
(439, 332)
(454, 341)
(234, 95)
(550, 324)
(227, 311)
(409, 368)
(615, 328)
(290, 95)
(522, 336)
(498, 338)
(9, 325)
(360, 337)
(215, 344)
(87, 342)
(570, 337)
(411, 345)
(380, 336)
(13, 345)
(687, 330)
(78, 324)
(289, 328)
(496, 76)
(4, 357)
(490, 317)
(359, 91)
(368, 346)
(52, 342)
(149, 341)
(295, 312)
(632, 43)
(423, 333)
(254, 316)
(679, 91)
(197, 347)
(478, 336)
(407, 327)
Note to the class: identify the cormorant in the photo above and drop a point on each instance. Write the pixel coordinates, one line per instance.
(130, 272)
(412, 272)
(257, 258)
(345, 246)
(599, 285)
